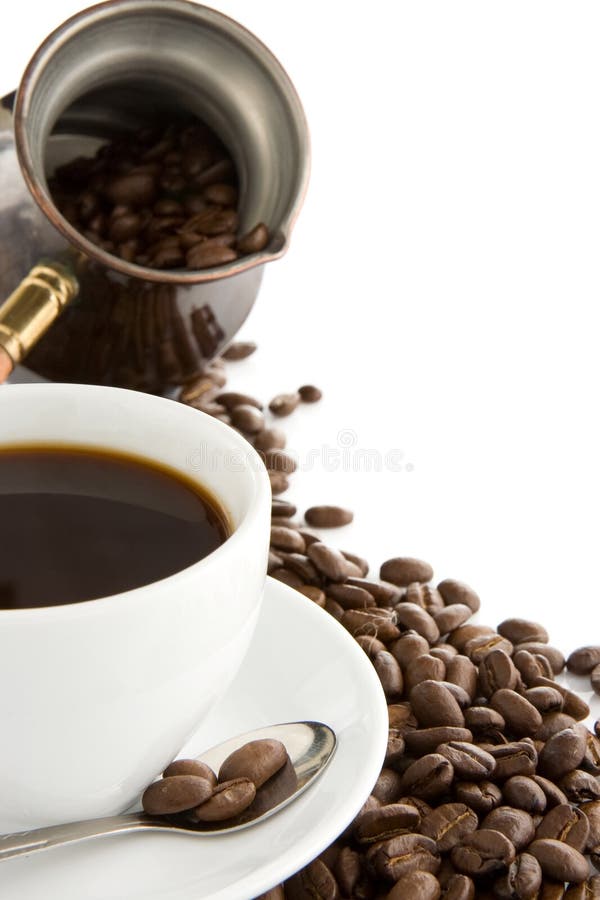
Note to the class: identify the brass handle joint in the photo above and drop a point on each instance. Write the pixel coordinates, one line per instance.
(33, 306)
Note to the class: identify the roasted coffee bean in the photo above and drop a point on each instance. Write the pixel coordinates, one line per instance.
(562, 753)
(461, 671)
(482, 796)
(279, 482)
(521, 717)
(386, 822)
(231, 399)
(458, 887)
(516, 824)
(313, 593)
(255, 240)
(468, 761)
(479, 647)
(190, 767)
(545, 699)
(452, 616)
(351, 597)
(591, 810)
(408, 647)
(176, 794)
(418, 885)
(358, 561)
(426, 596)
(552, 723)
(591, 759)
(314, 882)
(449, 824)
(426, 740)
(428, 777)
(457, 592)
(587, 890)
(483, 852)
(275, 562)
(328, 561)
(200, 388)
(401, 717)
(565, 823)
(386, 595)
(347, 870)
(433, 704)
(518, 631)
(286, 539)
(276, 893)
(284, 404)
(270, 439)
(389, 674)
(524, 793)
(309, 393)
(404, 854)
(257, 760)
(516, 758)
(239, 350)
(372, 622)
(403, 570)
(580, 786)
(531, 667)
(208, 254)
(461, 636)
(522, 880)
(584, 659)
(328, 516)
(228, 799)
(370, 645)
(595, 679)
(412, 617)
(395, 751)
(276, 460)
(135, 189)
(496, 672)
(388, 786)
(283, 508)
(484, 721)
(554, 656)
(446, 653)
(286, 576)
(423, 668)
(553, 794)
(559, 861)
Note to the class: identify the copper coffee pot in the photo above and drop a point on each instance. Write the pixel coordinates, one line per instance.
(110, 70)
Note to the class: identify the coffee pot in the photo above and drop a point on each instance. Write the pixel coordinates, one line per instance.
(79, 313)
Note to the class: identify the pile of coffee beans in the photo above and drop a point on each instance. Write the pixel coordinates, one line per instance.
(162, 198)
(490, 784)
(251, 778)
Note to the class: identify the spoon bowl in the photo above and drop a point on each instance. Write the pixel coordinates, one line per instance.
(310, 747)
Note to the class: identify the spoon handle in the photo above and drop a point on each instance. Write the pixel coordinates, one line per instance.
(55, 835)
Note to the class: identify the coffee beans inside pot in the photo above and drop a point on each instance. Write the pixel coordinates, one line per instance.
(163, 198)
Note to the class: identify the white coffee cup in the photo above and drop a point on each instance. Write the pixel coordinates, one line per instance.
(97, 697)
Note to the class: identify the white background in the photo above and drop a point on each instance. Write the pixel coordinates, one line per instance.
(442, 283)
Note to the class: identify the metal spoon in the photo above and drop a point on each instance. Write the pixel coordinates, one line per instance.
(310, 746)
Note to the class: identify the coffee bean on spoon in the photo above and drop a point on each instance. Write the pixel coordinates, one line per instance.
(175, 794)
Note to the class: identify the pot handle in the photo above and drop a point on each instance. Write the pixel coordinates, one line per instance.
(31, 309)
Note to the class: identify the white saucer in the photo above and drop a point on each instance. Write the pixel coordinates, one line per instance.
(302, 665)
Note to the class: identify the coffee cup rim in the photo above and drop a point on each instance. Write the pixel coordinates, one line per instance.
(255, 471)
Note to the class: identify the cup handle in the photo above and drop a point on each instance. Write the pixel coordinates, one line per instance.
(31, 309)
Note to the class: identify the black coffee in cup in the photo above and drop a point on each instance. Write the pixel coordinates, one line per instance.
(79, 524)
